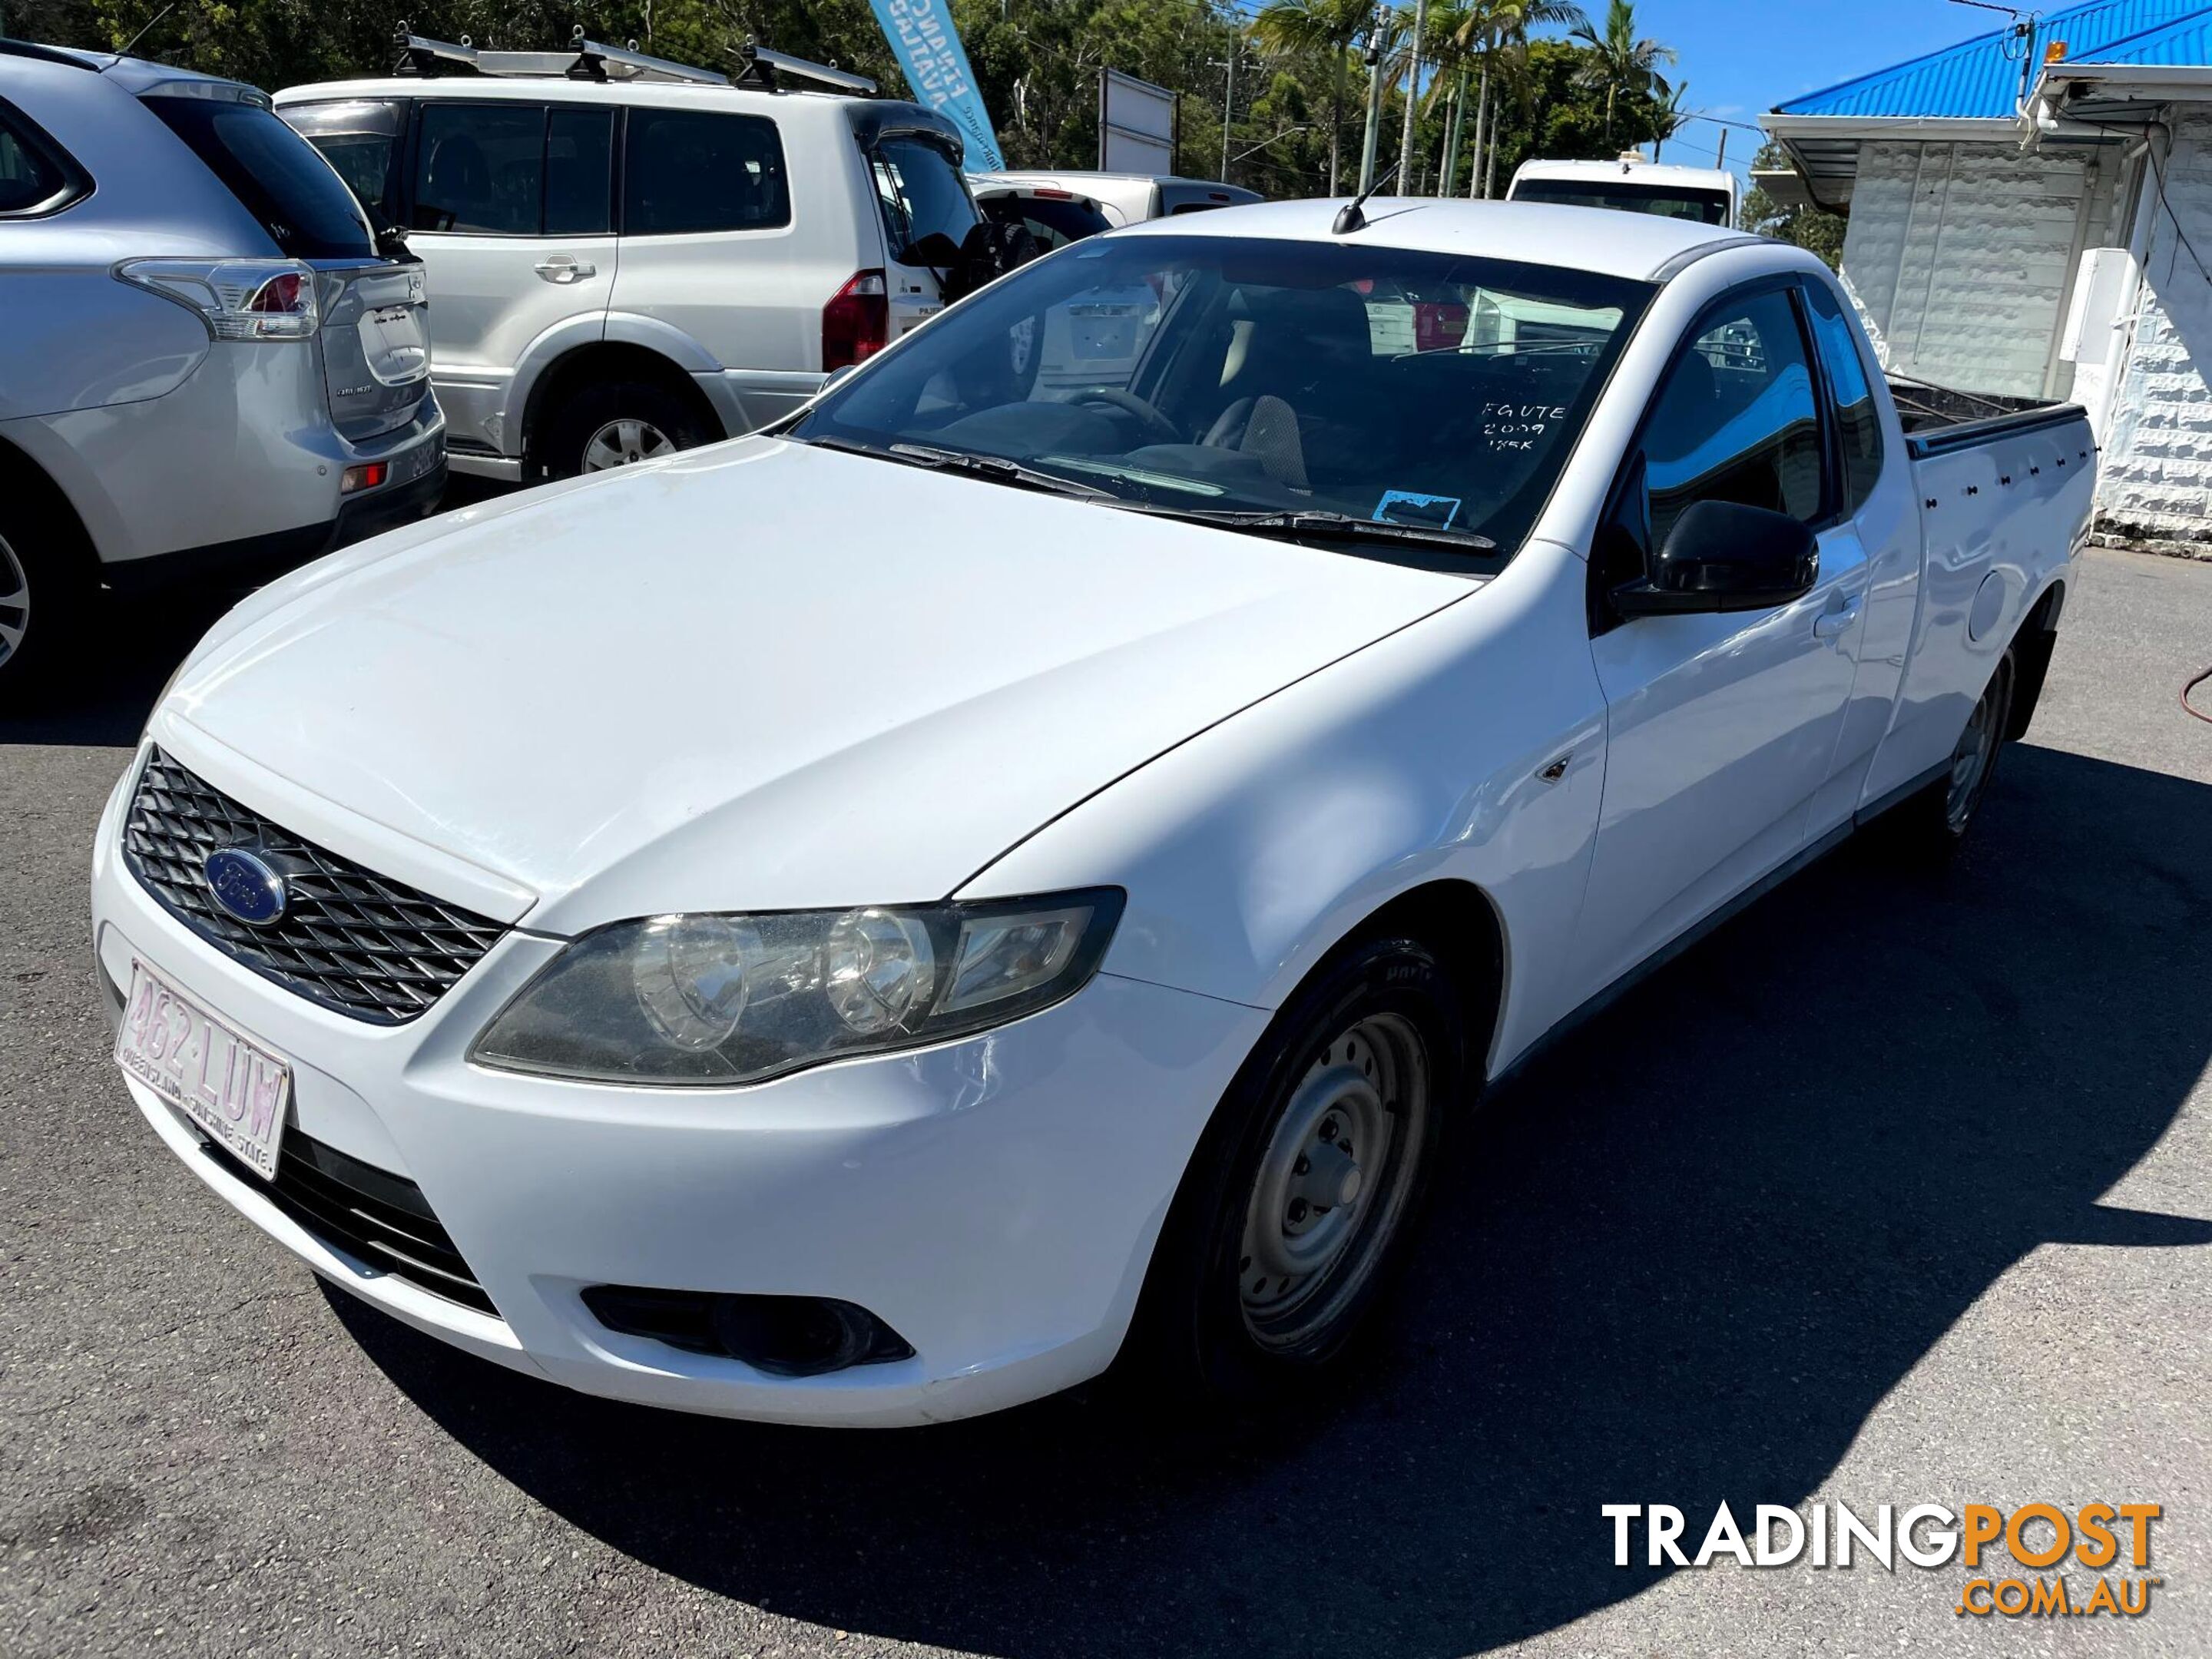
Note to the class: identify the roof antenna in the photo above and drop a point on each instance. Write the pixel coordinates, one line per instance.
(1349, 218)
(142, 34)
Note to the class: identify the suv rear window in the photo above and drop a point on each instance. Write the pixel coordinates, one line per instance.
(358, 137)
(685, 172)
(921, 192)
(275, 174)
(33, 178)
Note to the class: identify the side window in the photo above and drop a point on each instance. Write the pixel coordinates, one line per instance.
(685, 172)
(33, 178)
(1736, 419)
(1859, 424)
(921, 192)
(578, 171)
(480, 169)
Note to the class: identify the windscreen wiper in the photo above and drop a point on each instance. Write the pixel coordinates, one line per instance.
(1345, 525)
(996, 468)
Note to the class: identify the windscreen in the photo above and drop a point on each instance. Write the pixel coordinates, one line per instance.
(1704, 207)
(275, 174)
(1219, 373)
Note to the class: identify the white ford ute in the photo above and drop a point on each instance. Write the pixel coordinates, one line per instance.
(867, 922)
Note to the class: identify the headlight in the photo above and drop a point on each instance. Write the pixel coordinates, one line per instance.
(711, 999)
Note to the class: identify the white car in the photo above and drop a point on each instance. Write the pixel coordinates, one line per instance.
(628, 255)
(858, 924)
(1125, 198)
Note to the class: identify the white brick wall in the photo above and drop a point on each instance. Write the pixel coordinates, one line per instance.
(1958, 256)
(2157, 465)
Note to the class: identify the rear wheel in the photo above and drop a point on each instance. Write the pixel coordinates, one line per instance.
(46, 588)
(612, 423)
(1298, 1206)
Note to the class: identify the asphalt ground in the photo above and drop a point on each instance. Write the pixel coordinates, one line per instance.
(1898, 1189)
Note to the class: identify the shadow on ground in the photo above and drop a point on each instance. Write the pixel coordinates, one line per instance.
(1680, 1261)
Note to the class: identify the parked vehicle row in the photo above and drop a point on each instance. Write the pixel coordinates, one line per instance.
(876, 979)
(211, 367)
(645, 258)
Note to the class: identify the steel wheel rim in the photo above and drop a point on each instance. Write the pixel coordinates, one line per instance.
(15, 601)
(1970, 760)
(1335, 1180)
(625, 442)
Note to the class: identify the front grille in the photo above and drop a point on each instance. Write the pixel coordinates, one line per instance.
(380, 1220)
(348, 938)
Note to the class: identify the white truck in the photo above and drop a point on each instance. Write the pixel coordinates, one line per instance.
(1630, 185)
(876, 978)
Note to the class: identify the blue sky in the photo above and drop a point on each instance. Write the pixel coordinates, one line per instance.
(1741, 57)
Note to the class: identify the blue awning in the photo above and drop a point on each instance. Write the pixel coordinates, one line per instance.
(1980, 79)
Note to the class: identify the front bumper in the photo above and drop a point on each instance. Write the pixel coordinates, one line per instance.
(995, 1201)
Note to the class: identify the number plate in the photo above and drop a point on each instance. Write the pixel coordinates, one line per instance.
(235, 1091)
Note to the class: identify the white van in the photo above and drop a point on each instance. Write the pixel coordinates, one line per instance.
(628, 256)
(1632, 184)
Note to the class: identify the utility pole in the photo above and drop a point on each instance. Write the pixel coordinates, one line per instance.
(1413, 95)
(1374, 99)
(1229, 102)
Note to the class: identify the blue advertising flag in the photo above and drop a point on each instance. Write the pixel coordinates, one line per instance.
(929, 48)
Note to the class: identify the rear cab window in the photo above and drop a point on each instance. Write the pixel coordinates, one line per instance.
(1706, 206)
(921, 190)
(276, 174)
(361, 139)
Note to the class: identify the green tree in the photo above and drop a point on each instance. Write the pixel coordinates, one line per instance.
(1621, 63)
(1810, 228)
(1318, 31)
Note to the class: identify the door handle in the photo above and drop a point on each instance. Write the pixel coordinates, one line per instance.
(565, 268)
(1830, 625)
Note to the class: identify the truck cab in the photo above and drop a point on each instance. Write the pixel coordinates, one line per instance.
(1630, 185)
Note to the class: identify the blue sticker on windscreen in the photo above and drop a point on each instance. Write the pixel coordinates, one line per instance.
(1406, 507)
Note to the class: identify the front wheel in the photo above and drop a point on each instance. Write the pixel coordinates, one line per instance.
(1298, 1206)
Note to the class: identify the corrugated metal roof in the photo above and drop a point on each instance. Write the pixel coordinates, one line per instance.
(1981, 78)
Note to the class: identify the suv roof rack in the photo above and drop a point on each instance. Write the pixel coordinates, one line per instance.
(592, 60)
(584, 60)
(761, 67)
(32, 49)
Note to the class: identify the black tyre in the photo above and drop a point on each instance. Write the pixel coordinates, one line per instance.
(1298, 1206)
(47, 588)
(1935, 821)
(611, 424)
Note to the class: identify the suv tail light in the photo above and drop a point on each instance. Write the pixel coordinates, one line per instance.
(856, 323)
(236, 299)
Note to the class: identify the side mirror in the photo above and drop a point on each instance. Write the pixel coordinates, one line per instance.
(836, 375)
(1723, 556)
(936, 250)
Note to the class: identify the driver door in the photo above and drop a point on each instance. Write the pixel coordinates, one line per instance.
(1720, 728)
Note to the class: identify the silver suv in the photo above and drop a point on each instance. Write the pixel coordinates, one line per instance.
(212, 364)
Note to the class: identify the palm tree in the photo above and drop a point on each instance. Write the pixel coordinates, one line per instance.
(1322, 27)
(1492, 28)
(1621, 63)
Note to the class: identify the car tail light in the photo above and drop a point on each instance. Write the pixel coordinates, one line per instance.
(369, 475)
(236, 299)
(856, 323)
